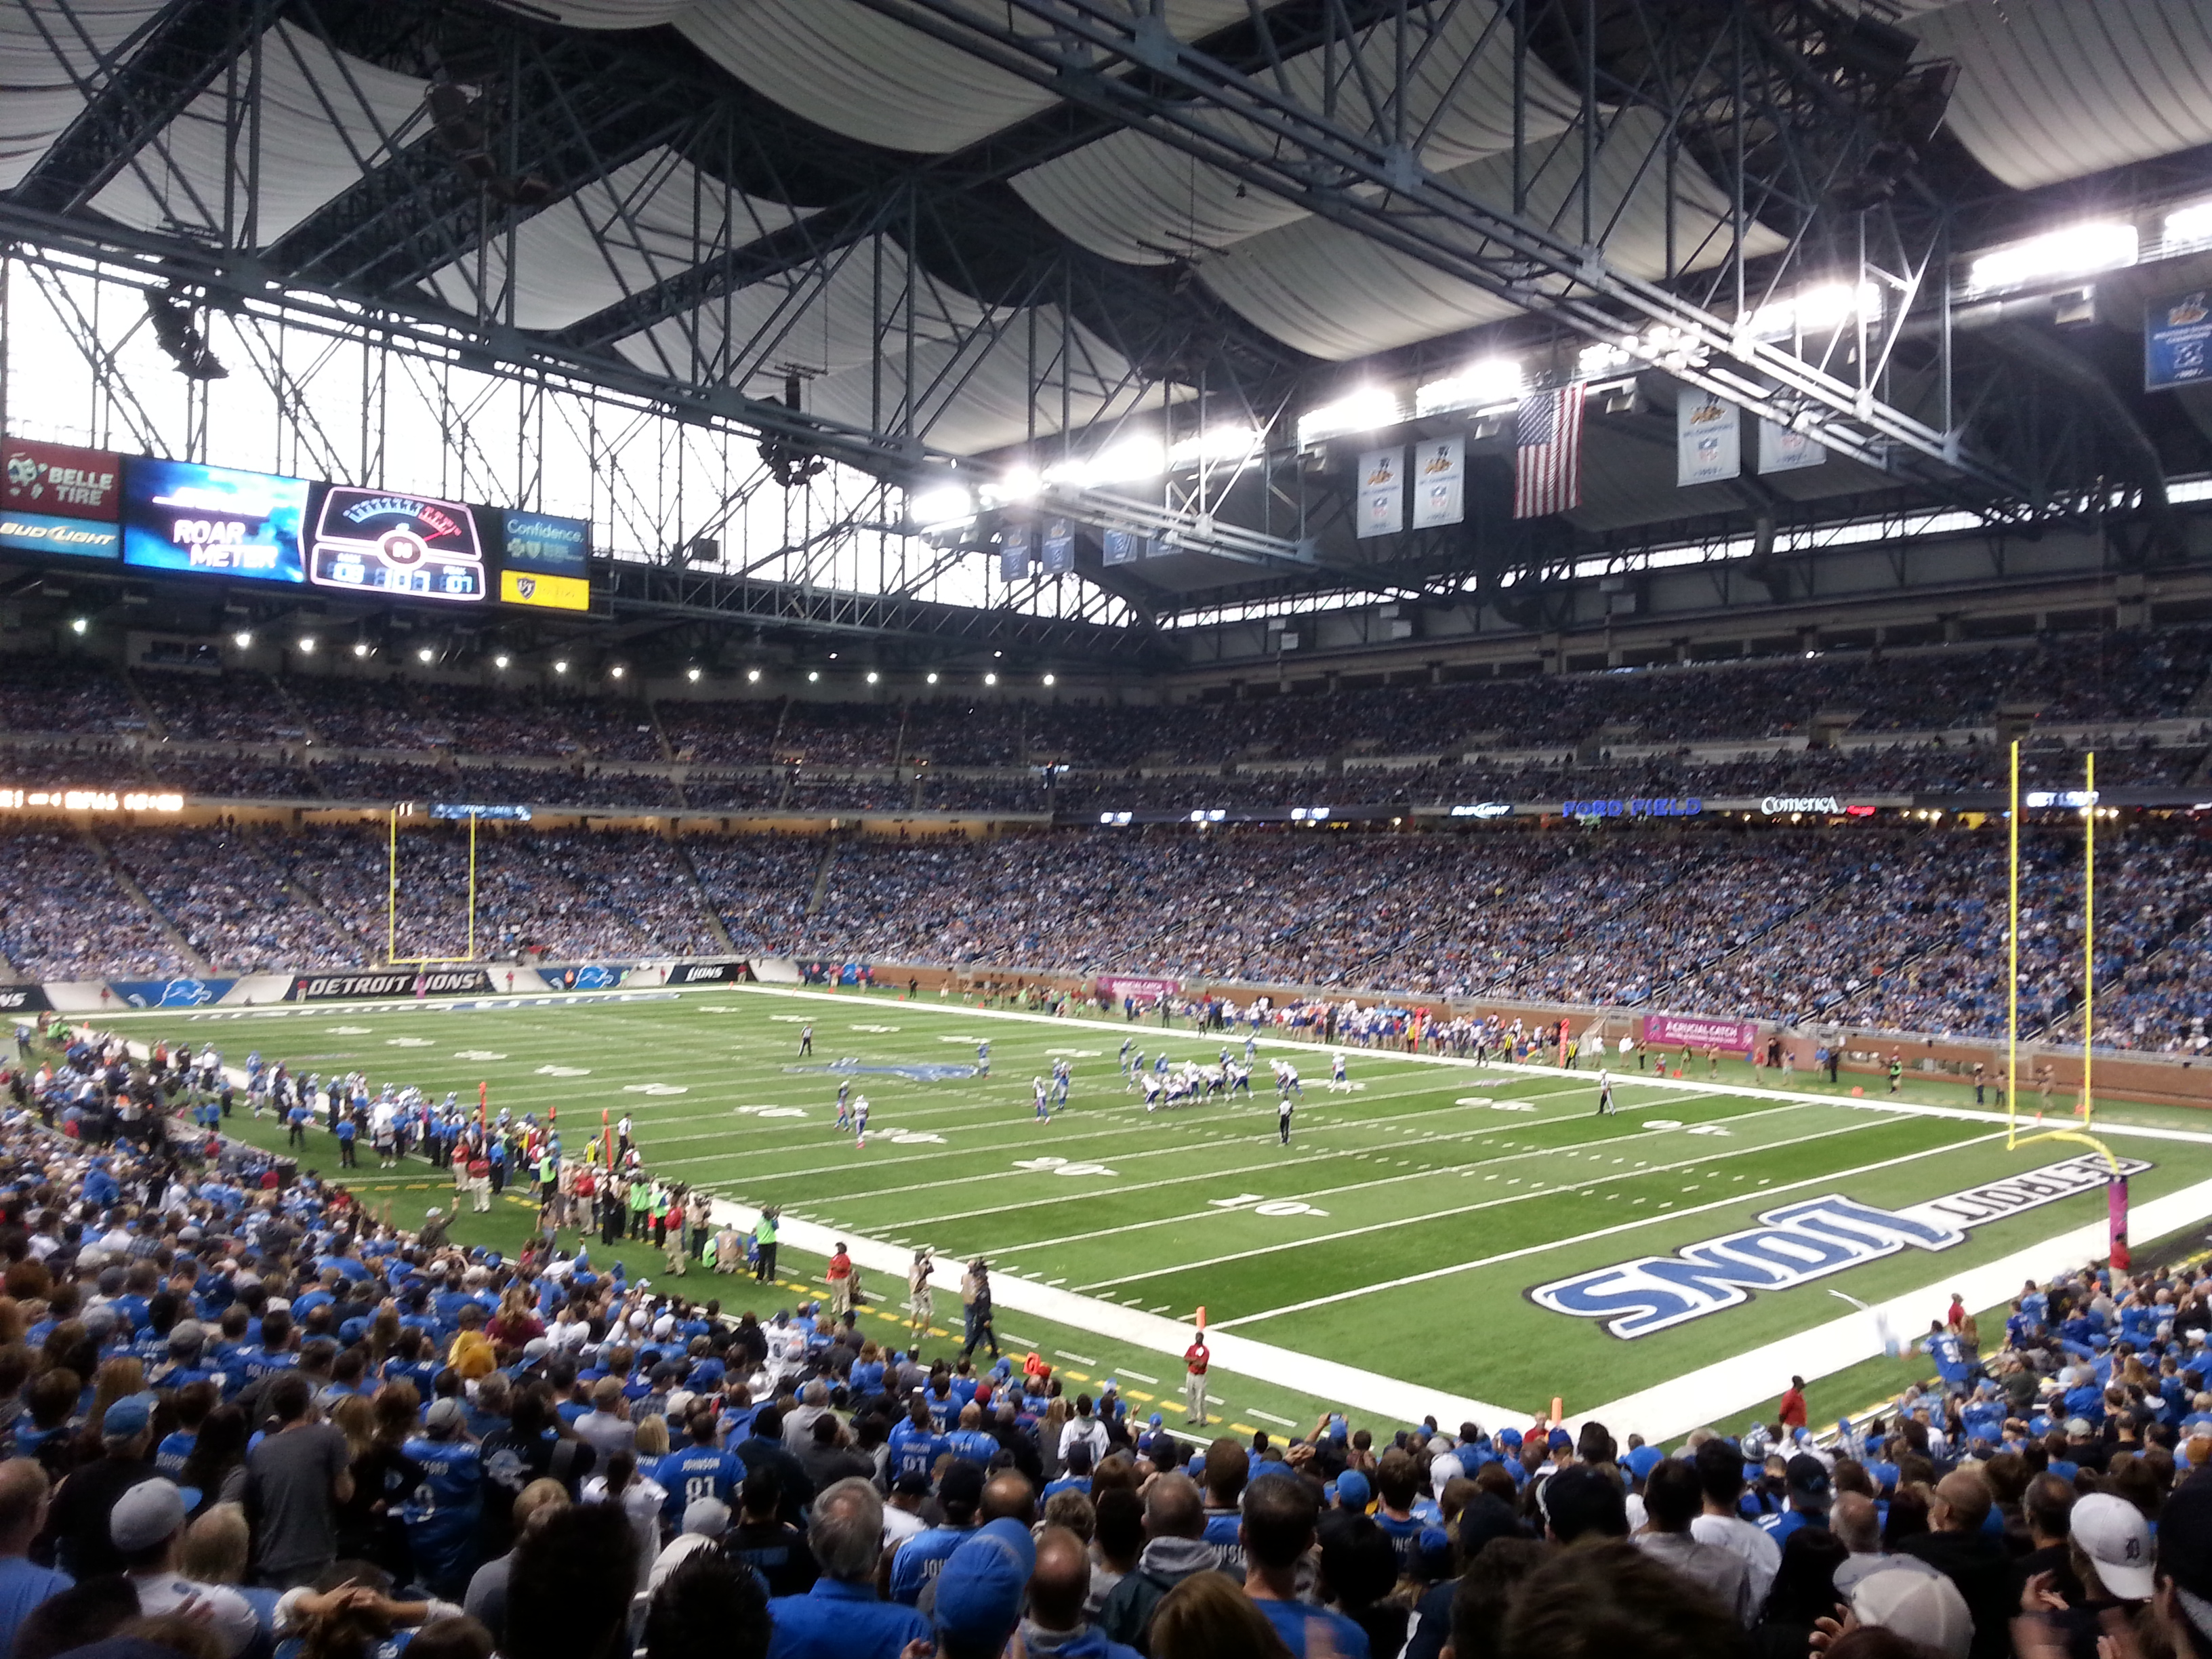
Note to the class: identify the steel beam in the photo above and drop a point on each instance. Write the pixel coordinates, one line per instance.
(1360, 179)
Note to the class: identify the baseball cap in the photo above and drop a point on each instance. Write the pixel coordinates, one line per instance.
(186, 1335)
(145, 1515)
(1643, 1460)
(708, 1518)
(131, 1415)
(1921, 1606)
(962, 1482)
(913, 1483)
(1808, 1475)
(1156, 1419)
(2077, 1428)
(1581, 1500)
(1432, 1555)
(447, 1413)
(980, 1586)
(1352, 1490)
(1559, 1440)
(2112, 1533)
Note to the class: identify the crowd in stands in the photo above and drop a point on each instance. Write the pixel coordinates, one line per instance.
(241, 1419)
(1889, 929)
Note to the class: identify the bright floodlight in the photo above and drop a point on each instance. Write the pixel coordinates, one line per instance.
(422, 655)
(501, 661)
(1130, 460)
(2191, 224)
(308, 645)
(1363, 411)
(2077, 250)
(813, 675)
(1820, 309)
(933, 677)
(990, 679)
(873, 676)
(1492, 380)
(616, 670)
(79, 625)
(752, 677)
(940, 504)
(1047, 679)
(1217, 444)
(360, 647)
(243, 638)
(1017, 483)
(560, 667)
(691, 674)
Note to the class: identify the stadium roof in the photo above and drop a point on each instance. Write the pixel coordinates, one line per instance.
(916, 209)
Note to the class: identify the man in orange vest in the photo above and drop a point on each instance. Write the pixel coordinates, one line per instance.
(1195, 1358)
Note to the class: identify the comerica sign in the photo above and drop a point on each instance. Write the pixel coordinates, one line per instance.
(1774, 805)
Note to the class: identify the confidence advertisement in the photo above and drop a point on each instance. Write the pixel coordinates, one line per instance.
(54, 499)
(545, 562)
(1729, 1035)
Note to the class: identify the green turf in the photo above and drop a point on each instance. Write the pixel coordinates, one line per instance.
(1401, 1179)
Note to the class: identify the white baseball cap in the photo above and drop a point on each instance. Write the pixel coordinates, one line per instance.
(2113, 1535)
(1921, 1606)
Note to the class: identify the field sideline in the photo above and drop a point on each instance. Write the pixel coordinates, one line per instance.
(1398, 1233)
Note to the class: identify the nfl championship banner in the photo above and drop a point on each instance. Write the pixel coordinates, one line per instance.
(1059, 547)
(1439, 482)
(1730, 1036)
(1122, 546)
(1382, 492)
(1014, 557)
(1708, 437)
(1781, 450)
(2178, 341)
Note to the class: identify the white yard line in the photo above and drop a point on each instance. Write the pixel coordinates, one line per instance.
(1756, 1377)
(1761, 1193)
(1498, 1203)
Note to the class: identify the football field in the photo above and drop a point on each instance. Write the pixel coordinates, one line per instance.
(1480, 1233)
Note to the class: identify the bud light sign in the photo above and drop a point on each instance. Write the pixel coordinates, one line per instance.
(1800, 1243)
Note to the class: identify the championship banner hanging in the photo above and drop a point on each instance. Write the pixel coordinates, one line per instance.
(1708, 437)
(2177, 333)
(1781, 450)
(1059, 547)
(1382, 492)
(1439, 482)
(1014, 557)
(1122, 546)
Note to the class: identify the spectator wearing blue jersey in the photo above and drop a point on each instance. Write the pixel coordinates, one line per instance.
(915, 1444)
(701, 1469)
(444, 1512)
(1226, 1470)
(1275, 1533)
(971, 1441)
(916, 1565)
(23, 1583)
(840, 1618)
(1077, 1479)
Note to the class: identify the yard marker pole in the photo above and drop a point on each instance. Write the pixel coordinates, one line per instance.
(2012, 976)
(2088, 935)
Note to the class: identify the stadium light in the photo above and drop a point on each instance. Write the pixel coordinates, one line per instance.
(990, 679)
(308, 645)
(1822, 308)
(1130, 461)
(560, 667)
(1017, 483)
(423, 654)
(2191, 224)
(1492, 380)
(813, 675)
(692, 675)
(1362, 410)
(873, 676)
(1047, 679)
(616, 670)
(243, 638)
(940, 506)
(360, 647)
(1217, 444)
(79, 625)
(2074, 251)
(500, 661)
(752, 677)
(933, 677)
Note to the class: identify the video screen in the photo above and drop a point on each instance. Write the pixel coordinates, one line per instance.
(180, 515)
(379, 541)
(58, 498)
(545, 561)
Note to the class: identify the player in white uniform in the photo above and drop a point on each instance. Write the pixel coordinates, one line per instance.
(1037, 1090)
(1605, 1106)
(845, 1105)
(1153, 1088)
(860, 1120)
(1336, 1070)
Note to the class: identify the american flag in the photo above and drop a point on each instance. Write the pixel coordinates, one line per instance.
(1547, 454)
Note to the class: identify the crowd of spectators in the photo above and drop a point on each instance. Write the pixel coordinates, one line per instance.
(1898, 929)
(242, 1417)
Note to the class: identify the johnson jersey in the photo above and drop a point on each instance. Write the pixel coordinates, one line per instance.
(698, 1472)
(915, 1451)
(920, 1560)
(1220, 1536)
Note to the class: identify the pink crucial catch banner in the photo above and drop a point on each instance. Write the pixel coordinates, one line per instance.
(1667, 1030)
